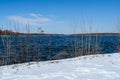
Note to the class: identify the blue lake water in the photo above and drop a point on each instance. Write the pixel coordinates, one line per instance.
(45, 47)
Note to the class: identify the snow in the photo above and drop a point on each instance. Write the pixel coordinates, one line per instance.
(91, 67)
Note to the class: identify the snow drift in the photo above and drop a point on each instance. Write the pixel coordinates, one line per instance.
(91, 67)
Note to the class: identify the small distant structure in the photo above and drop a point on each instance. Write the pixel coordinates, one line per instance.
(40, 31)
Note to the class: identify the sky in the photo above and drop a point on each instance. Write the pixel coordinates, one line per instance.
(60, 16)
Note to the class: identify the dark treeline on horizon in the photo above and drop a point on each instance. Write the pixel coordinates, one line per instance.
(10, 33)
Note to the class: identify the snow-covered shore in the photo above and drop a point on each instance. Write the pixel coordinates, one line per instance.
(92, 67)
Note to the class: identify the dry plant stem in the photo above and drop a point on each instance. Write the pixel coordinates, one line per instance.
(28, 41)
(75, 45)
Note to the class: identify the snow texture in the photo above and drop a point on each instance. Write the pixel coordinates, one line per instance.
(92, 67)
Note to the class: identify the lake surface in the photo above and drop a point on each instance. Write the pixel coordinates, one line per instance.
(41, 48)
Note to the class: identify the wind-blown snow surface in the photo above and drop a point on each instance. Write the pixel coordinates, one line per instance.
(93, 67)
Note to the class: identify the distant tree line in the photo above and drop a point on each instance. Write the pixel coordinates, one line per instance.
(7, 32)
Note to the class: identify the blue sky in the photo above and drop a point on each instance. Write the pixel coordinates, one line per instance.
(60, 16)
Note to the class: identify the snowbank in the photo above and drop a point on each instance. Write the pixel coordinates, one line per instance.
(92, 67)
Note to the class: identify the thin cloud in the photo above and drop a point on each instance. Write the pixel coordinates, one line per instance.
(33, 19)
(35, 15)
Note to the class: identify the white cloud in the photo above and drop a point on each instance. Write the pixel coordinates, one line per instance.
(33, 19)
(35, 15)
